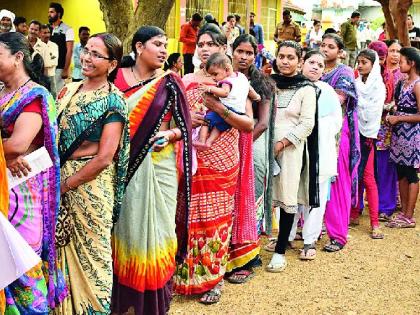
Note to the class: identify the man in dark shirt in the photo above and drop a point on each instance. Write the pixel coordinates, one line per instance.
(349, 34)
(413, 31)
(63, 36)
(288, 30)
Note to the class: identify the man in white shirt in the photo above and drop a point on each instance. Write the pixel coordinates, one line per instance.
(6, 21)
(231, 32)
(37, 44)
(51, 57)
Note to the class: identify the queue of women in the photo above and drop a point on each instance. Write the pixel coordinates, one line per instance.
(130, 212)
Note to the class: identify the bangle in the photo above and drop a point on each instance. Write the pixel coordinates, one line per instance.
(226, 113)
(174, 133)
(282, 142)
(66, 184)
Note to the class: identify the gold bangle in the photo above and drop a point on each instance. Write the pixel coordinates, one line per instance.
(226, 113)
(66, 184)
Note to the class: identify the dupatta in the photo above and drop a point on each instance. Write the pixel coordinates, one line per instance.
(23, 97)
(149, 105)
(342, 78)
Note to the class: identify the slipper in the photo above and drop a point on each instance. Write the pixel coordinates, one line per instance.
(401, 222)
(333, 246)
(383, 217)
(241, 276)
(271, 245)
(308, 252)
(377, 234)
(213, 296)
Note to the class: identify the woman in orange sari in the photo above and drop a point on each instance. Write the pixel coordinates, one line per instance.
(213, 184)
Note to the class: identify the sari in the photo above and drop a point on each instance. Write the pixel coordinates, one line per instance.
(4, 191)
(145, 241)
(89, 211)
(33, 209)
(212, 205)
(344, 190)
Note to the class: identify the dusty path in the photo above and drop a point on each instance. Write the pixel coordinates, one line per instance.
(367, 277)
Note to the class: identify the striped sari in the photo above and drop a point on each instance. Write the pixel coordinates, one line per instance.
(145, 241)
(33, 207)
(89, 211)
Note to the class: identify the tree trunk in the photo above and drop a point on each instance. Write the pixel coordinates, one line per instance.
(399, 10)
(123, 20)
(390, 25)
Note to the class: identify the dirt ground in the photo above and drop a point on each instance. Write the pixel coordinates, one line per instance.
(367, 277)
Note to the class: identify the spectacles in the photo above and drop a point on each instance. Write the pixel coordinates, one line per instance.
(94, 54)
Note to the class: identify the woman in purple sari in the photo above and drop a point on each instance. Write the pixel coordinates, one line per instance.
(344, 188)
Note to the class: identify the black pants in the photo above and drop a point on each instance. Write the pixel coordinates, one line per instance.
(188, 63)
(285, 226)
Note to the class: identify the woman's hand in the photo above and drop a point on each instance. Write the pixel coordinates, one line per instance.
(197, 119)
(18, 166)
(278, 147)
(161, 140)
(211, 101)
(392, 120)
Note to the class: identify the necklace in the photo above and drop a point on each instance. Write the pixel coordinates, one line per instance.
(13, 95)
(139, 80)
(328, 70)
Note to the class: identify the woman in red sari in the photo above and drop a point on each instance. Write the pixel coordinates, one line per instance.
(213, 185)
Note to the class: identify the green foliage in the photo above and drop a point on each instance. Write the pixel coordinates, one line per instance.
(377, 23)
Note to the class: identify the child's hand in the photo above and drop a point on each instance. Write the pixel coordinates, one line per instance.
(204, 88)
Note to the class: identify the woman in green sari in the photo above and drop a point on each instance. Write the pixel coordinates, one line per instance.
(93, 147)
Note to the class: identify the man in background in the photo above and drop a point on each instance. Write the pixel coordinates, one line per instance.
(231, 32)
(349, 34)
(256, 29)
(84, 33)
(288, 30)
(63, 36)
(188, 38)
(238, 24)
(20, 25)
(6, 21)
(51, 57)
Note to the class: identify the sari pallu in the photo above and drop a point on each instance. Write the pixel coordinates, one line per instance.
(212, 204)
(89, 211)
(344, 190)
(145, 241)
(33, 209)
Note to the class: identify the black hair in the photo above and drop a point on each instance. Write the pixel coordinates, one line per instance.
(83, 28)
(286, 12)
(330, 30)
(390, 42)
(262, 84)
(36, 23)
(114, 48)
(338, 40)
(58, 8)
(312, 52)
(217, 60)
(16, 42)
(252, 13)
(44, 26)
(214, 32)
(230, 16)
(369, 54)
(18, 20)
(196, 17)
(172, 59)
(412, 54)
(316, 22)
(411, 17)
(355, 14)
(237, 18)
(143, 34)
(288, 43)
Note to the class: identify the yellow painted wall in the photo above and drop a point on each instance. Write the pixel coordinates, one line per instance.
(76, 12)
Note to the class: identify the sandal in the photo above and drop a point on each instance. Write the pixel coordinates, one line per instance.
(213, 296)
(333, 246)
(241, 276)
(377, 234)
(308, 252)
(383, 217)
(271, 245)
(276, 267)
(299, 236)
(401, 222)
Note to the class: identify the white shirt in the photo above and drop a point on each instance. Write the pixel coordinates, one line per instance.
(238, 94)
(51, 59)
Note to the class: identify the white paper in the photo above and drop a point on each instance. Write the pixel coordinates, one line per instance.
(16, 257)
(39, 161)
